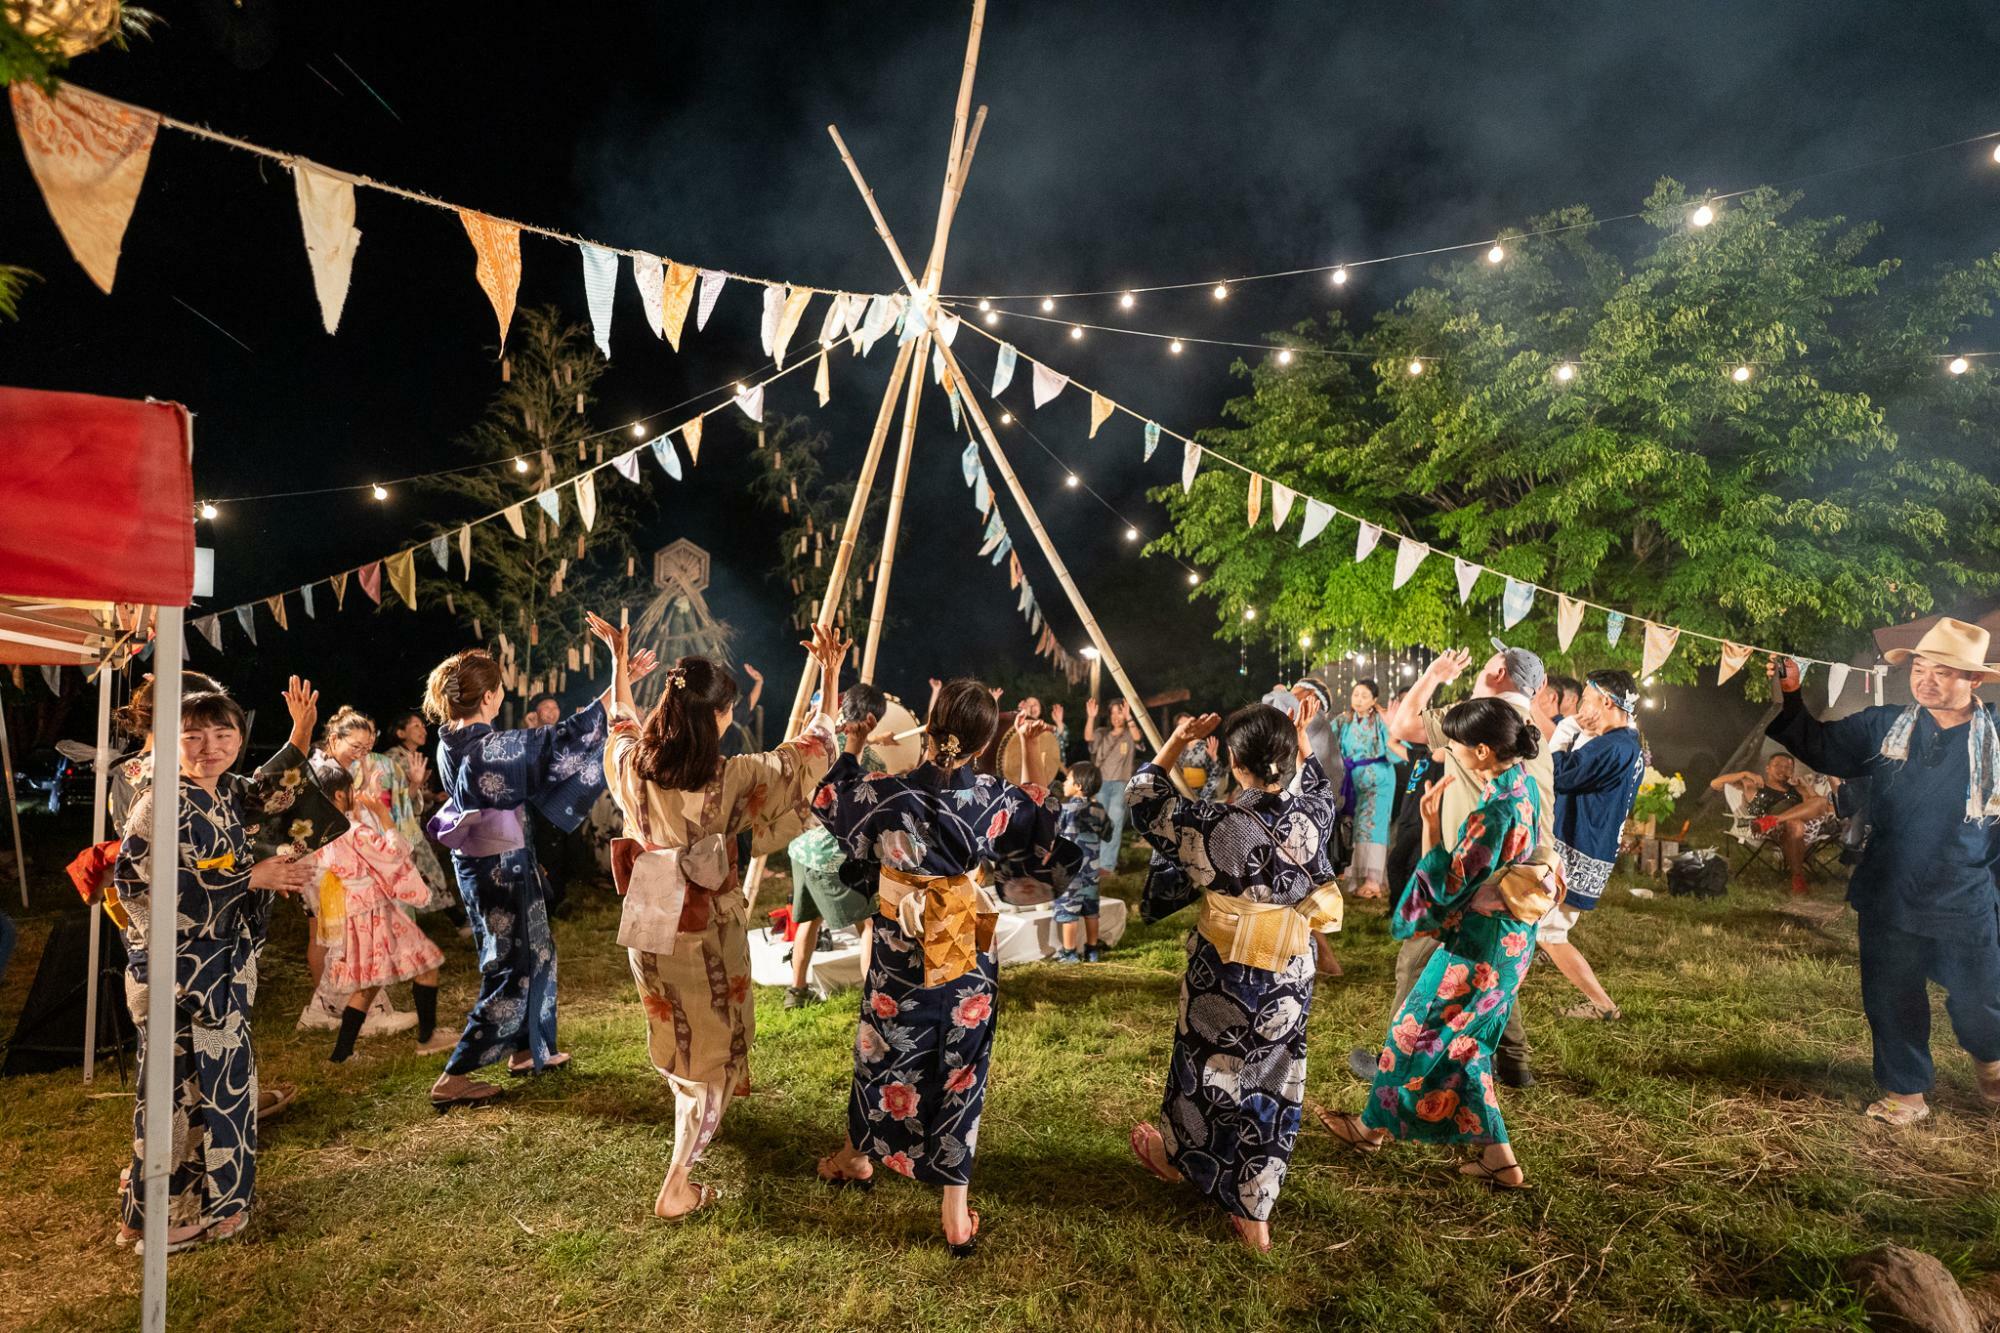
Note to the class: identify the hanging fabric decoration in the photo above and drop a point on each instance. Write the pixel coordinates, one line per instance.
(1836, 681)
(1734, 655)
(751, 400)
(947, 329)
(691, 432)
(774, 306)
(1047, 384)
(711, 288)
(1365, 539)
(1409, 555)
(90, 158)
(441, 552)
(956, 411)
(326, 212)
(882, 312)
(968, 462)
(995, 530)
(465, 550)
(916, 321)
(306, 597)
(339, 582)
(586, 500)
(245, 617)
(829, 328)
(402, 568)
(1569, 619)
(1256, 507)
(512, 513)
(210, 628)
(1100, 410)
(551, 503)
(1014, 571)
(1281, 503)
(822, 381)
(796, 301)
(1614, 625)
(1318, 515)
(1515, 600)
(52, 677)
(1027, 597)
(1003, 368)
(498, 247)
(982, 493)
(1658, 647)
(1006, 545)
(277, 605)
(1152, 440)
(627, 464)
(1190, 463)
(676, 295)
(853, 307)
(600, 284)
(646, 276)
(1467, 574)
(670, 462)
(937, 365)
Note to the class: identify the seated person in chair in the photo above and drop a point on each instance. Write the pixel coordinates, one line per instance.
(1785, 802)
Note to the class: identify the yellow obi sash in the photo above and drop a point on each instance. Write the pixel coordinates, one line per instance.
(953, 915)
(1267, 935)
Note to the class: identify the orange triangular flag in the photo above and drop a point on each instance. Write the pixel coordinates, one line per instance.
(277, 605)
(339, 582)
(89, 156)
(679, 294)
(691, 432)
(498, 245)
(1100, 410)
(1256, 497)
(403, 576)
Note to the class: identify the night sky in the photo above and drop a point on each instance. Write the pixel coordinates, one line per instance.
(1127, 144)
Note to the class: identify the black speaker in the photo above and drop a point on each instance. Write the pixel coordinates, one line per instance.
(49, 1035)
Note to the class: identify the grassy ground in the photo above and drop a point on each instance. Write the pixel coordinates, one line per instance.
(1700, 1165)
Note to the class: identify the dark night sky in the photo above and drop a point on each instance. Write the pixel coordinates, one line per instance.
(1127, 144)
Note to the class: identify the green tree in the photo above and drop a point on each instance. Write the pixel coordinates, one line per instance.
(792, 481)
(1847, 482)
(537, 435)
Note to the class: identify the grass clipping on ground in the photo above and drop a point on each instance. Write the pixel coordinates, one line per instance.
(1701, 1164)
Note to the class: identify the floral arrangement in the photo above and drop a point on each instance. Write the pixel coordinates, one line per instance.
(1657, 794)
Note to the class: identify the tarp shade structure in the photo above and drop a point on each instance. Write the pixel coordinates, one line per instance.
(100, 502)
(41, 633)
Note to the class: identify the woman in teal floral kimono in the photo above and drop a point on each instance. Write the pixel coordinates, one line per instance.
(1434, 1079)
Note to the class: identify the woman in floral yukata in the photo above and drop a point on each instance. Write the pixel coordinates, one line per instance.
(488, 776)
(685, 922)
(1434, 1079)
(231, 830)
(1236, 1081)
(927, 1004)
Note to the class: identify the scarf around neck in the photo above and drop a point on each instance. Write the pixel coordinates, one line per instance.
(1982, 797)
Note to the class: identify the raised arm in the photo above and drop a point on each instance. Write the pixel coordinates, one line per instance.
(1406, 724)
(1840, 749)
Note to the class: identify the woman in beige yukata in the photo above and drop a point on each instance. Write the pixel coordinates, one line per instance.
(685, 923)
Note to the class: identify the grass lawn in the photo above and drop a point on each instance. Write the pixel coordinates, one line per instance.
(1700, 1165)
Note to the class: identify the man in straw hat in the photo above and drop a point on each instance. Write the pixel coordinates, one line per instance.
(1924, 890)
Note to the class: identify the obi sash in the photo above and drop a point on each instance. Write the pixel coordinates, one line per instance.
(953, 915)
(667, 889)
(476, 833)
(1267, 935)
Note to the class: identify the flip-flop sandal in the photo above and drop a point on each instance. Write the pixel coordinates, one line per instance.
(835, 1178)
(483, 1094)
(1237, 1225)
(229, 1228)
(282, 1095)
(965, 1249)
(1478, 1170)
(557, 1061)
(704, 1195)
(174, 1245)
(1140, 1145)
(1347, 1127)
(1897, 1114)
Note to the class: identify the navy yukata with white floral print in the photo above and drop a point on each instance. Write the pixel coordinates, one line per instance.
(921, 1052)
(559, 770)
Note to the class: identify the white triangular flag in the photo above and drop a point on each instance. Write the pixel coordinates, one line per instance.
(822, 381)
(650, 279)
(441, 551)
(774, 309)
(947, 329)
(829, 328)
(586, 499)
(1734, 655)
(1003, 368)
(1467, 574)
(1409, 555)
(1047, 383)
(1364, 541)
(514, 521)
(663, 452)
(627, 464)
(600, 284)
(551, 504)
(1660, 641)
(326, 210)
(1190, 463)
(1569, 619)
(1318, 515)
(246, 617)
(1836, 681)
(1281, 503)
(751, 400)
(711, 287)
(306, 596)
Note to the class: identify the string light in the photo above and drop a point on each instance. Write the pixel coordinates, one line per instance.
(1959, 365)
(520, 465)
(1048, 304)
(1285, 357)
(1194, 579)
(993, 317)
(1340, 277)
(1496, 254)
(1565, 372)
(638, 430)
(380, 492)
(984, 305)
(1741, 374)
(1076, 332)
(1131, 534)
(1006, 418)
(740, 390)
(1996, 152)
(1128, 300)
(1305, 640)
(1703, 216)
(1070, 480)
(1249, 613)
(207, 509)
(1221, 292)
(1175, 347)
(1416, 366)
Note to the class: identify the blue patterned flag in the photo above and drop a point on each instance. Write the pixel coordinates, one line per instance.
(1614, 625)
(1152, 438)
(1003, 368)
(670, 462)
(600, 282)
(1515, 601)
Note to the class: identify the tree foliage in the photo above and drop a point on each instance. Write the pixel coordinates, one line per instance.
(1849, 482)
(792, 481)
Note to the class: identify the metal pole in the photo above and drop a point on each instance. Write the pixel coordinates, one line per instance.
(162, 962)
(13, 808)
(99, 785)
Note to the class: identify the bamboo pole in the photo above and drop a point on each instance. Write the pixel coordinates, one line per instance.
(898, 487)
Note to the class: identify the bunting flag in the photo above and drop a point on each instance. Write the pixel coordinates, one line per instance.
(1190, 463)
(982, 493)
(370, 578)
(947, 329)
(1014, 572)
(1281, 504)
(498, 247)
(586, 500)
(339, 582)
(1614, 625)
(774, 307)
(306, 597)
(1365, 540)
(1152, 439)
(955, 409)
(853, 307)
(647, 277)
(938, 376)
(1467, 574)
(1318, 515)
(1734, 655)
(1100, 410)
(600, 284)
(244, 615)
(751, 400)
(670, 462)
(1569, 619)
(277, 605)
(677, 294)
(1026, 600)
(551, 503)
(1515, 600)
(1047, 384)
(1659, 647)
(968, 462)
(691, 432)
(995, 530)
(1409, 555)
(1256, 497)
(823, 381)
(829, 328)
(1003, 374)
(1006, 545)
(465, 550)
(711, 288)
(90, 158)
(627, 464)
(441, 552)
(402, 568)
(1836, 681)
(796, 301)
(211, 629)
(512, 513)
(326, 212)
(882, 313)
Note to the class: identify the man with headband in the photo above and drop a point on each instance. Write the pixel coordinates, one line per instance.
(1596, 783)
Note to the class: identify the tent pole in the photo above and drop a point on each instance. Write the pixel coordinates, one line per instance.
(162, 965)
(13, 808)
(100, 785)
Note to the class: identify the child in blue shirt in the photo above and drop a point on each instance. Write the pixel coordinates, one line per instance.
(1084, 822)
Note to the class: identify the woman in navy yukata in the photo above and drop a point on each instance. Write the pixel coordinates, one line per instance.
(1236, 1080)
(927, 1004)
(488, 776)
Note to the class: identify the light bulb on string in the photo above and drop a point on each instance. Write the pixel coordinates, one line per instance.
(984, 305)
(1006, 418)
(1702, 216)
(1959, 365)
(1496, 254)
(1340, 276)
(993, 317)
(1048, 304)
(740, 390)
(207, 509)
(1221, 292)
(1131, 534)
(1071, 480)
(1128, 300)
(1416, 366)
(638, 430)
(1741, 374)
(1285, 356)
(1249, 613)
(1194, 579)
(520, 465)
(1175, 347)
(1565, 372)
(380, 492)
(1996, 152)
(1076, 331)
(1305, 640)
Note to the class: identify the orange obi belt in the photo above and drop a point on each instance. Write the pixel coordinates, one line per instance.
(953, 915)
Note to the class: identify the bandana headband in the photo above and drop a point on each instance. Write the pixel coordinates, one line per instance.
(1624, 703)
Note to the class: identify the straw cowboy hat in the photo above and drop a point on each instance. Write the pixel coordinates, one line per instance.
(1955, 644)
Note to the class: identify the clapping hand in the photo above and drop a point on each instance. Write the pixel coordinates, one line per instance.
(1784, 673)
(617, 638)
(278, 874)
(643, 664)
(827, 648)
(1307, 710)
(1432, 810)
(302, 702)
(753, 673)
